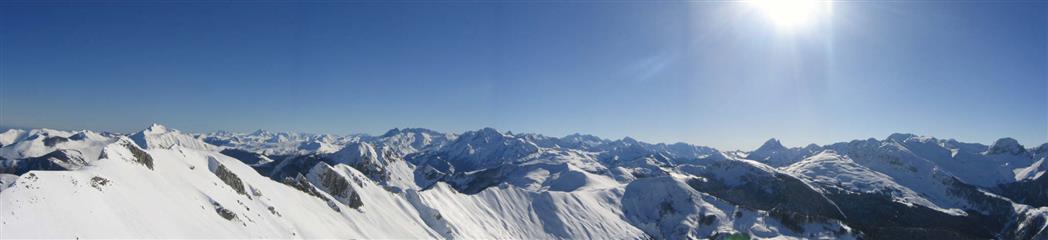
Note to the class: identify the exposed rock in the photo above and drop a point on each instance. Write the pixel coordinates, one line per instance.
(97, 182)
(338, 186)
(223, 212)
(226, 176)
(291, 166)
(140, 157)
(273, 210)
(55, 140)
(302, 184)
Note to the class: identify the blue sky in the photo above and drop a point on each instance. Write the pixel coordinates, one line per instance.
(710, 73)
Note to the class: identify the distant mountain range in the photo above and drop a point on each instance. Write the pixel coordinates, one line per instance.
(420, 183)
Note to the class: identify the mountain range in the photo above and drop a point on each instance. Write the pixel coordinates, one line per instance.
(419, 183)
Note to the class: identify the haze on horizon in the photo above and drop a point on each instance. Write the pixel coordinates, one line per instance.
(722, 74)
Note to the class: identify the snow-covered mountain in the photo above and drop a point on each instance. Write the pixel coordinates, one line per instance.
(159, 137)
(773, 153)
(420, 183)
(273, 144)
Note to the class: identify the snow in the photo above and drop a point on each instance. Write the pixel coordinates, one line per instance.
(774, 154)
(7, 180)
(270, 143)
(418, 183)
(83, 145)
(1006, 161)
(1034, 171)
(411, 140)
(666, 207)
(511, 212)
(176, 200)
(11, 136)
(1006, 146)
(829, 170)
(1030, 222)
(158, 136)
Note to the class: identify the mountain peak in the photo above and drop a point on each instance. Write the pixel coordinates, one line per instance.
(1006, 145)
(900, 137)
(771, 144)
(259, 132)
(355, 152)
(391, 132)
(411, 131)
(489, 130)
(155, 128)
(485, 133)
(159, 136)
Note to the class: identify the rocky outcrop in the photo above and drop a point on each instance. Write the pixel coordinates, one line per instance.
(338, 185)
(292, 166)
(302, 184)
(226, 176)
(139, 156)
(223, 212)
(99, 182)
(54, 140)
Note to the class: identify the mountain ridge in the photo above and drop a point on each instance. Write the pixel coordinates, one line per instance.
(424, 178)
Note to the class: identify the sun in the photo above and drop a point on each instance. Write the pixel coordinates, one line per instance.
(789, 14)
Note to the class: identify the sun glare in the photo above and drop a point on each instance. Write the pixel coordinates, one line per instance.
(789, 13)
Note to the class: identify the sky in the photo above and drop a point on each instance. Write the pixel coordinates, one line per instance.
(713, 73)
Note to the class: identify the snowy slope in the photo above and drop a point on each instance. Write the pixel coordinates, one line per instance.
(511, 212)
(417, 183)
(180, 198)
(383, 165)
(1003, 162)
(11, 136)
(160, 137)
(830, 170)
(909, 169)
(667, 208)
